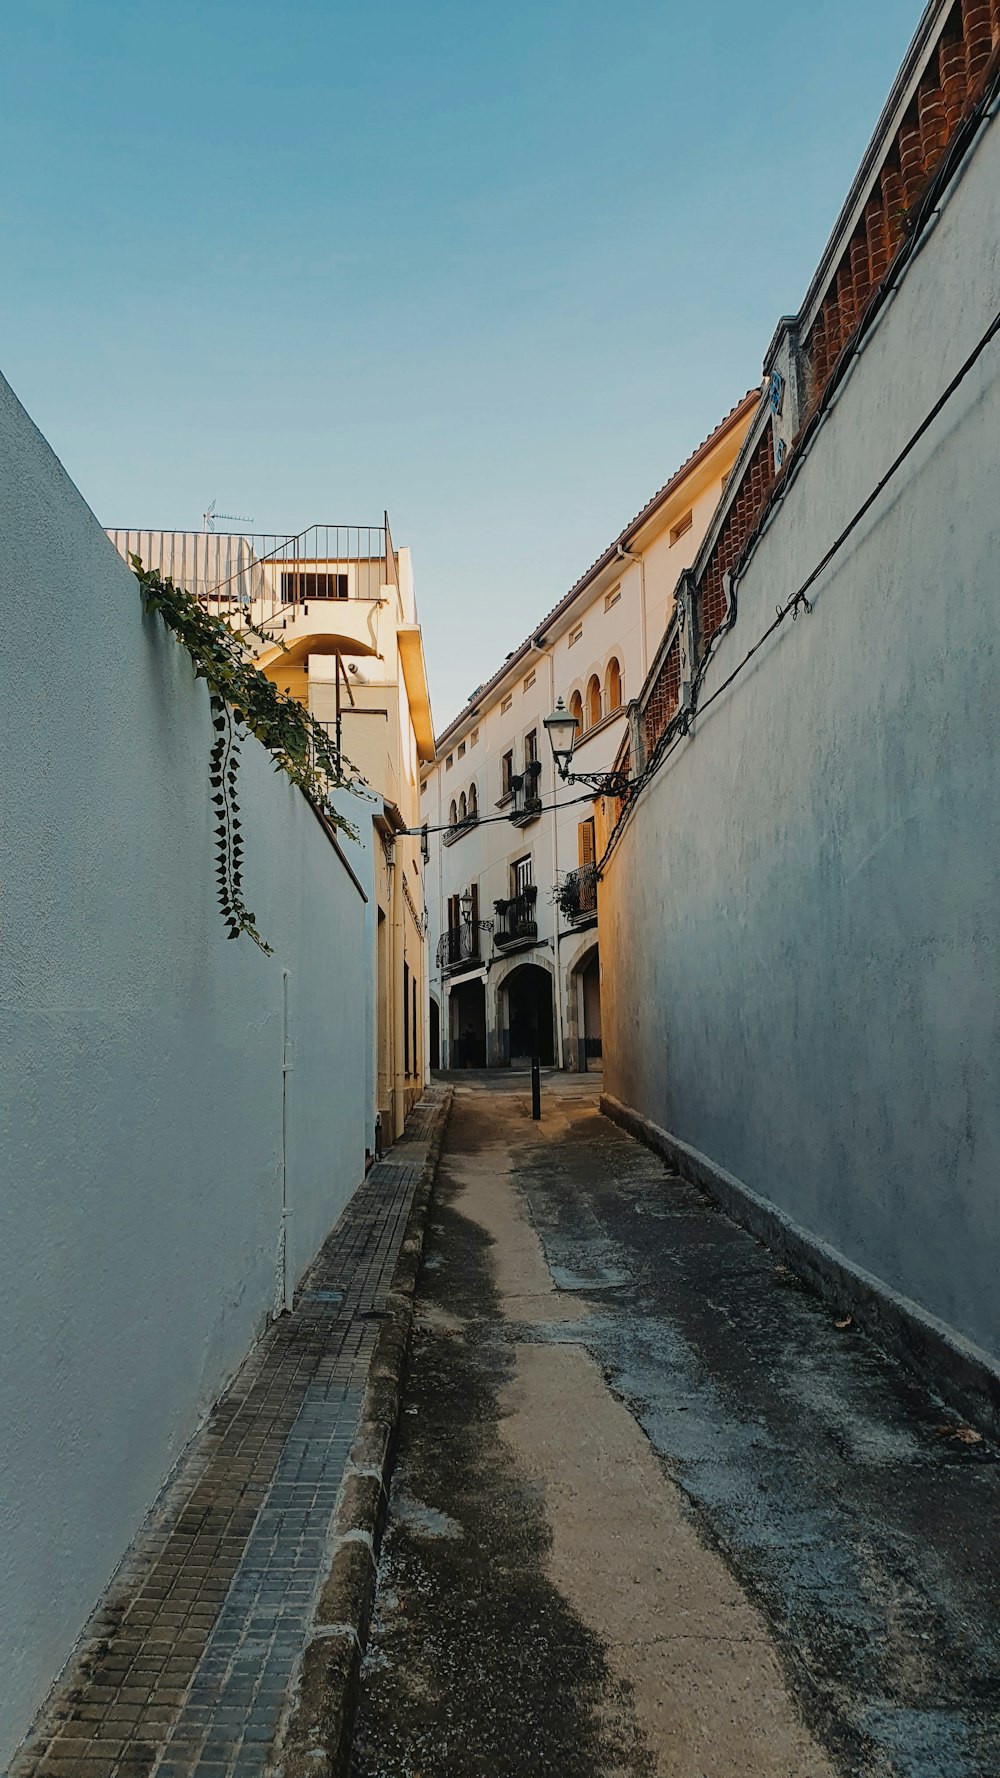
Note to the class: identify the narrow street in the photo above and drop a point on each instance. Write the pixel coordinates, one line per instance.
(656, 1511)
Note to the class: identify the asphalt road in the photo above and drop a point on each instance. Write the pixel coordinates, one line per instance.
(655, 1512)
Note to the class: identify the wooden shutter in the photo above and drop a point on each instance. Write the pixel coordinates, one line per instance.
(587, 850)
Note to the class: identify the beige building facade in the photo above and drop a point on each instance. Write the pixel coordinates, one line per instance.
(331, 617)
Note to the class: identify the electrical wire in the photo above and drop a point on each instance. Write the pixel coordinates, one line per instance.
(679, 724)
(416, 833)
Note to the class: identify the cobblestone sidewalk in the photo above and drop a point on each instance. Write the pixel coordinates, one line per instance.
(188, 1666)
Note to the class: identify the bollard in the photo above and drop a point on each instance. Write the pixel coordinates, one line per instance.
(536, 1089)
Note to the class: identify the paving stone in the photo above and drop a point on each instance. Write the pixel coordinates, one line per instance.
(190, 1660)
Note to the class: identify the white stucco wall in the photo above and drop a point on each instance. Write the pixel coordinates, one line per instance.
(141, 1080)
(799, 931)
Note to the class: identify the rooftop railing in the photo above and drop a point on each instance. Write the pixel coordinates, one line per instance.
(264, 578)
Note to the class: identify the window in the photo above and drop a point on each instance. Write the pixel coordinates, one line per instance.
(453, 814)
(529, 680)
(463, 808)
(611, 599)
(681, 528)
(506, 773)
(586, 844)
(449, 762)
(593, 702)
(406, 1021)
(613, 686)
(461, 749)
(576, 709)
(530, 746)
(520, 875)
(574, 635)
(473, 803)
(295, 586)
(474, 738)
(505, 703)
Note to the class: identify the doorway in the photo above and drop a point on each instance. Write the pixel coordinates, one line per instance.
(526, 997)
(467, 1014)
(590, 993)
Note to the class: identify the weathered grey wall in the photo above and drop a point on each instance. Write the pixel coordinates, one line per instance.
(141, 1080)
(799, 932)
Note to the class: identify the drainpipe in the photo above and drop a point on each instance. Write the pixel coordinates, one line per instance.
(444, 1000)
(558, 991)
(399, 1010)
(625, 555)
(282, 1283)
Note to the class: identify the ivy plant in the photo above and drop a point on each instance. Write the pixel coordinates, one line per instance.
(243, 701)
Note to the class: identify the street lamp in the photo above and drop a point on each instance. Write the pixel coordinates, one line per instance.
(561, 728)
(465, 902)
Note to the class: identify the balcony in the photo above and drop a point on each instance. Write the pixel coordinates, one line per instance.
(515, 920)
(458, 949)
(577, 896)
(527, 802)
(451, 834)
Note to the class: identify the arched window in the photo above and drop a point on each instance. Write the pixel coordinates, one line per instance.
(576, 709)
(593, 702)
(613, 686)
(473, 803)
(453, 813)
(463, 812)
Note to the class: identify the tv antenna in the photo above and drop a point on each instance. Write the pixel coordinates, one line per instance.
(229, 518)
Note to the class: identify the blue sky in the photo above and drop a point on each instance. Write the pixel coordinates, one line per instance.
(498, 269)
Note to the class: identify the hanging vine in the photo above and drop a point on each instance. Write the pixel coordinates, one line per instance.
(243, 701)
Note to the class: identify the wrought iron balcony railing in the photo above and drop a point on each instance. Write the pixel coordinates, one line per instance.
(515, 919)
(527, 802)
(458, 949)
(577, 893)
(451, 834)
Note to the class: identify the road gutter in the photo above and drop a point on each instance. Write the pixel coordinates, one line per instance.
(316, 1737)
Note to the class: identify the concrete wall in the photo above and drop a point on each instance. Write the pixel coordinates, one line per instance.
(801, 967)
(141, 1079)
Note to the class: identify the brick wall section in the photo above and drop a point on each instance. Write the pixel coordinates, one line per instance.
(664, 697)
(619, 803)
(747, 504)
(755, 485)
(947, 91)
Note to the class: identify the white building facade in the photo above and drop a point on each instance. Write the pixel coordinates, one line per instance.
(511, 883)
